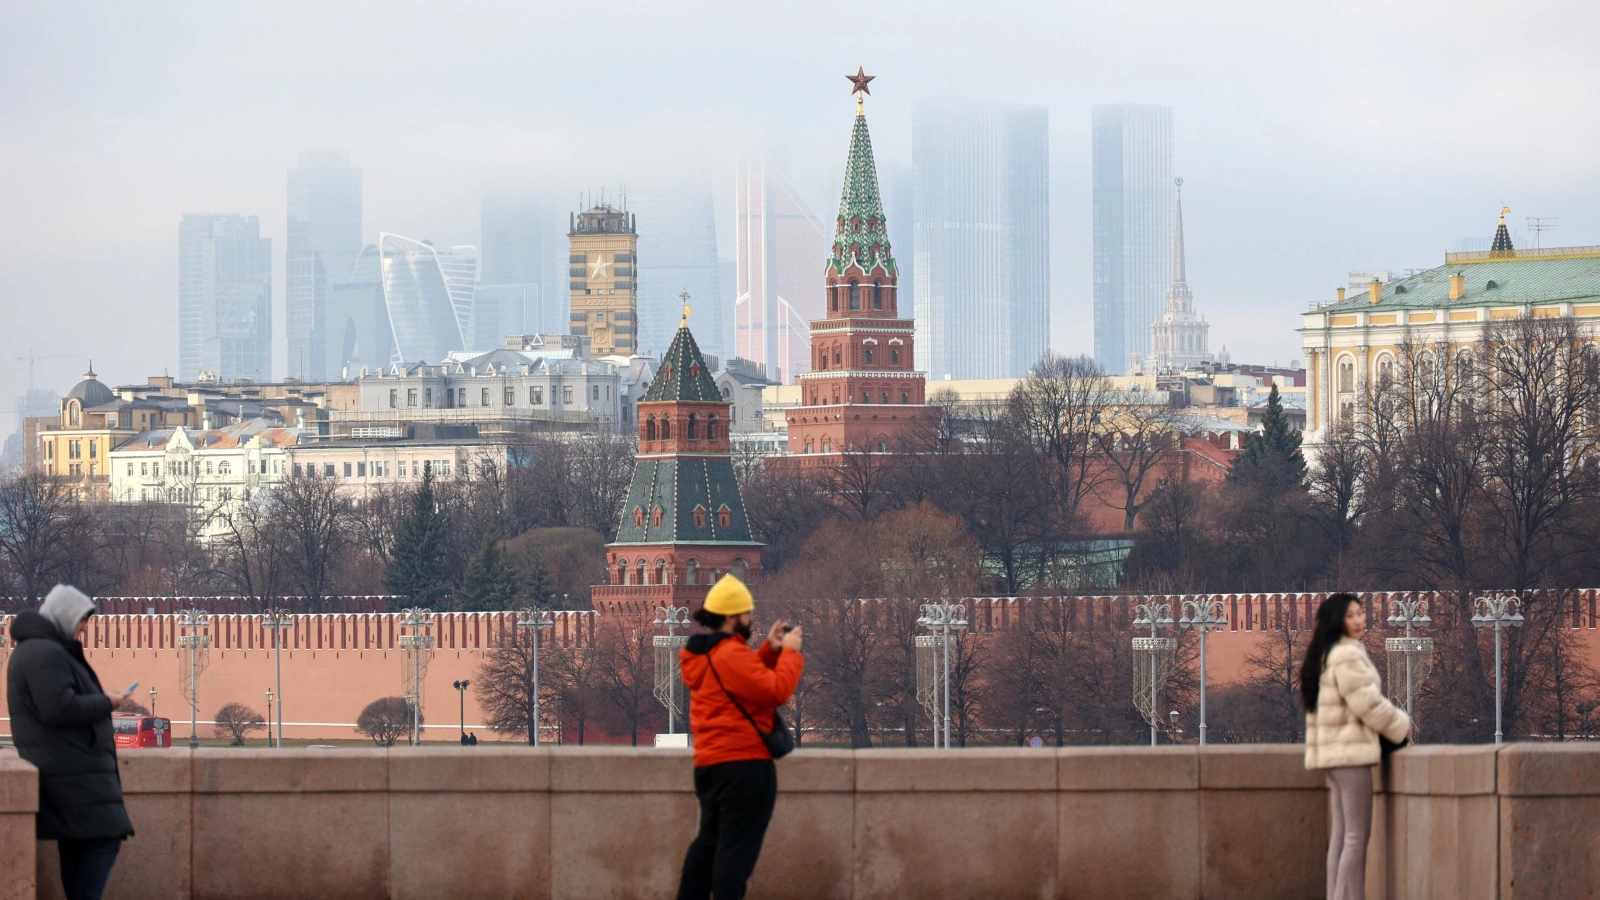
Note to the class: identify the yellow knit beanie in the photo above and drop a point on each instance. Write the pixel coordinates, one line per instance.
(729, 597)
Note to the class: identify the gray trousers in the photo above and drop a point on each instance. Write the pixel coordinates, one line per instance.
(1350, 805)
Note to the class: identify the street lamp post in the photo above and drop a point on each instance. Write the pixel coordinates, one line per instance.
(666, 662)
(277, 620)
(152, 703)
(415, 620)
(1161, 651)
(1176, 732)
(194, 623)
(535, 620)
(1204, 616)
(1409, 613)
(1496, 612)
(461, 689)
(941, 619)
(269, 716)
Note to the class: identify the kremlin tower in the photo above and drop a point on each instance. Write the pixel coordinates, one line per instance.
(683, 525)
(863, 392)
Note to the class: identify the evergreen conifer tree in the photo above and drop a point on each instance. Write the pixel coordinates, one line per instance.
(416, 567)
(490, 584)
(1271, 459)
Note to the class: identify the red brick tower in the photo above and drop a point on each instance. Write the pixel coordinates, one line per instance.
(683, 525)
(863, 392)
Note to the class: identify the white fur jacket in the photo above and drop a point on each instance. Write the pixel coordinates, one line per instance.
(1351, 712)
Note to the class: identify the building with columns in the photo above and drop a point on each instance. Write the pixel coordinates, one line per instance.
(863, 392)
(1180, 338)
(683, 525)
(1353, 345)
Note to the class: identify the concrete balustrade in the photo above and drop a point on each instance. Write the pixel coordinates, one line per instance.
(1239, 821)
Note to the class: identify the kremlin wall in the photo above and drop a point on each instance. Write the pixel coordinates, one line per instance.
(334, 664)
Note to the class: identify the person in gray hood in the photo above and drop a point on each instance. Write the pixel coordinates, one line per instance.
(61, 722)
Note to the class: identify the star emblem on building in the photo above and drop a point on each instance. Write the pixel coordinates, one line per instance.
(598, 268)
(858, 81)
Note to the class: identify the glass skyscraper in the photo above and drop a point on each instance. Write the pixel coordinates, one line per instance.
(522, 283)
(677, 253)
(359, 335)
(224, 298)
(981, 244)
(324, 240)
(779, 249)
(421, 297)
(1134, 196)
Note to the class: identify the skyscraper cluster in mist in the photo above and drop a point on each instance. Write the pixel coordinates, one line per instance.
(968, 219)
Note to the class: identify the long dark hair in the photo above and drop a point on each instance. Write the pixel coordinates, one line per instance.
(1329, 629)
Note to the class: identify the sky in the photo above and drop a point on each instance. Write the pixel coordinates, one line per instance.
(1312, 139)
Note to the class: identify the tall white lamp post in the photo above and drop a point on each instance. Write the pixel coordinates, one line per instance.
(1496, 612)
(1203, 616)
(535, 620)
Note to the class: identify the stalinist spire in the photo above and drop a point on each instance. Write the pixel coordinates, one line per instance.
(1179, 272)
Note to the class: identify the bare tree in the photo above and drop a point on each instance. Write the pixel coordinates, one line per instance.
(1137, 441)
(1061, 406)
(626, 681)
(237, 721)
(46, 533)
(313, 517)
(505, 686)
(385, 720)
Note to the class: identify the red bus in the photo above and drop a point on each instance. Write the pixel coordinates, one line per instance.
(134, 730)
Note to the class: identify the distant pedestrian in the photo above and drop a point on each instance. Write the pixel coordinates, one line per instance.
(472, 739)
(61, 721)
(1346, 711)
(464, 740)
(734, 694)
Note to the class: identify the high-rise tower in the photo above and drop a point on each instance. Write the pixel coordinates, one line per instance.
(683, 525)
(778, 242)
(1133, 198)
(1181, 337)
(603, 257)
(863, 392)
(982, 226)
(224, 298)
(324, 241)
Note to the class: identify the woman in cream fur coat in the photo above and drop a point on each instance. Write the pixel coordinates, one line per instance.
(1345, 712)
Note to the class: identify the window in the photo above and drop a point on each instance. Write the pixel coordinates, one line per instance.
(444, 468)
(641, 573)
(822, 359)
(855, 296)
(597, 392)
(1347, 376)
(208, 467)
(655, 517)
(741, 569)
(833, 302)
(92, 443)
(661, 571)
(427, 396)
(536, 396)
(650, 428)
(449, 397)
(692, 571)
(224, 469)
(711, 427)
(694, 427)
(836, 356)
(894, 357)
(566, 395)
(864, 398)
(143, 494)
(74, 449)
(511, 396)
(868, 356)
(724, 517)
(622, 572)
(699, 518)
(394, 397)
(885, 399)
(877, 297)
(252, 464)
(297, 469)
(905, 397)
(666, 428)
(638, 516)
(402, 468)
(361, 470)
(327, 470)
(483, 397)
(155, 469)
(411, 396)
(144, 469)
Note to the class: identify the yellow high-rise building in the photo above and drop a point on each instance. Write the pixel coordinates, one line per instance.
(604, 247)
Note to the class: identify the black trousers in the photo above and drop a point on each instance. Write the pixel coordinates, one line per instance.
(86, 866)
(736, 800)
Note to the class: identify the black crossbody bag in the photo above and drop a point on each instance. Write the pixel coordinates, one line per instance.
(780, 740)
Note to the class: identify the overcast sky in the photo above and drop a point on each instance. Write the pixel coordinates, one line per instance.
(1312, 140)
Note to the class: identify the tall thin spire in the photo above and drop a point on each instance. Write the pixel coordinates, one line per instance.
(1179, 269)
(860, 235)
(1502, 237)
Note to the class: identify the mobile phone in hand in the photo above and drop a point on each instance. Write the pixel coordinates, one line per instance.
(129, 688)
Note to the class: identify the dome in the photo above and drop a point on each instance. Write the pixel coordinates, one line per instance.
(90, 391)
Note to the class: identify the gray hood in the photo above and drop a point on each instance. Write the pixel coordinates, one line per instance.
(65, 606)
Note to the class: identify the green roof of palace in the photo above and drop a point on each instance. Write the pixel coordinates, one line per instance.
(1531, 276)
(683, 375)
(861, 235)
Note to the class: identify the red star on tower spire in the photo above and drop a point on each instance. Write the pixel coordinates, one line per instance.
(858, 83)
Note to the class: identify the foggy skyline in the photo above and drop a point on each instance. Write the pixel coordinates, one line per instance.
(1309, 144)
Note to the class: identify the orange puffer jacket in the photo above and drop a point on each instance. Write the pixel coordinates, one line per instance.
(762, 680)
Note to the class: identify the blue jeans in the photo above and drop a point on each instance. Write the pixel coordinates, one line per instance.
(86, 866)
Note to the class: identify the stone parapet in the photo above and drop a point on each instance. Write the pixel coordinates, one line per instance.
(1235, 821)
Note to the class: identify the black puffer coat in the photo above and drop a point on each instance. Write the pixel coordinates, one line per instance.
(61, 721)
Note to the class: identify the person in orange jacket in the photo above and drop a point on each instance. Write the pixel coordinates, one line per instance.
(734, 776)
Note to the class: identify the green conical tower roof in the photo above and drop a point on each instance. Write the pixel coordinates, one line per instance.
(683, 375)
(861, 236)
